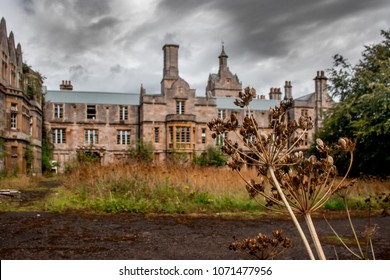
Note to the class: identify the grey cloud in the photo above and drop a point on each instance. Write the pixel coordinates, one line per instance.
(92, 7)
(28, 6)
(117, 69)
(106, 22)
(78, 73)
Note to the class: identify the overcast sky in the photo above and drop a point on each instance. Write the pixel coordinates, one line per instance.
(116, 45)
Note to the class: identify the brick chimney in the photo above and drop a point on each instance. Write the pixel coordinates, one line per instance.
(66, 85)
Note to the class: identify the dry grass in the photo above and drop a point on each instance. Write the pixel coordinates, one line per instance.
(203, 179)
(18, 183)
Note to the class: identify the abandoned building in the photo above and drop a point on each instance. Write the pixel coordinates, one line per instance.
(20, 110)
(107, 124)
(174, 121)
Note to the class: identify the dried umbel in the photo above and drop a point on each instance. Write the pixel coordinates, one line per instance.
(263, 247)
(287, 181)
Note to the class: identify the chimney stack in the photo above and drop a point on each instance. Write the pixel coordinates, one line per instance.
(66, 85)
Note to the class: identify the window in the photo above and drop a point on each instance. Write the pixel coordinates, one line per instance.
(123, 113)
(203, 135)
(306, 139)
(123, 137)
(4, 66)
(91, 136)
(220, 139)
(171, 134)
(91, 112)
(58, 136)
(31, 125)
(248, 113)
(13, 75)
(58, 111)
(156, 135)
(221, 114)
(304, 113)
(14, 120)
(180, 107)
(183, 134)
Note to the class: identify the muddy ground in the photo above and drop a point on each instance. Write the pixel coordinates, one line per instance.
(33, 235)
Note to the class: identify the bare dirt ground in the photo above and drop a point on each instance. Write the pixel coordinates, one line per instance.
(33, 235)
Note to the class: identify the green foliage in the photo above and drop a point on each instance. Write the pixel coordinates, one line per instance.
(136, 195)
(212, 156)
(47, 152)
(142, 152)
(87, 157)
(363, 113)
(29, 157)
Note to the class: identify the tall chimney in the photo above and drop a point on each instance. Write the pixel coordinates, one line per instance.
(287, 90)
(171, 64)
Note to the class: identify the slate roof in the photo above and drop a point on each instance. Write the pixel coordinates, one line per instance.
(92, 97)
(256, 104)
(305, 97)
(117, 98)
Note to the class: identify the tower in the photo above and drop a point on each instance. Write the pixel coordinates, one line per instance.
(320, 95)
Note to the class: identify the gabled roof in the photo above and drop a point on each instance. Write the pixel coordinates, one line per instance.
(256, 104)
(92, 97)
(305, 97)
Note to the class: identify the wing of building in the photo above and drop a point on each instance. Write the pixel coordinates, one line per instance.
(106, 124)
(20, 110)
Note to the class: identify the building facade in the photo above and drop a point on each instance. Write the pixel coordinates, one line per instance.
(106, 125)
(173, 122)
(20, 110)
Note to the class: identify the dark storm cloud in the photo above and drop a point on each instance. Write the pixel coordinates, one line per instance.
(27, 6)
(270, 28)
(267, 40)
(74, 27)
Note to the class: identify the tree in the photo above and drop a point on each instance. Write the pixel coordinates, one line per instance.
(363, 113)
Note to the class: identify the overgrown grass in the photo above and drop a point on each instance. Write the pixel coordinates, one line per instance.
(138, 188)
(142, 188)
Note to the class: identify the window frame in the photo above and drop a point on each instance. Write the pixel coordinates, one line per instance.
(14, 120)
(204, 135)
(123, 113)
(180, 107)
(123, 136)
(91, 115)
(91, 136)
(156, 135)
(58, 136)
(58, 111)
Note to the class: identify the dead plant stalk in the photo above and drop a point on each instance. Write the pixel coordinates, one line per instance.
(287, 181)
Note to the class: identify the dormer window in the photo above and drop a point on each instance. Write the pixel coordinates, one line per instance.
(180, 107)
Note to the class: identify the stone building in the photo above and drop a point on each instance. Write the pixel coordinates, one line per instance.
(173, 122)
(20, 110)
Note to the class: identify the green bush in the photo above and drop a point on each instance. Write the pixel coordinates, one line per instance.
(212, 156)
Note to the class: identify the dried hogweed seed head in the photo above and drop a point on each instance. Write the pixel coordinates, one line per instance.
(343, 143)
(320, 143)
(330, 160)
